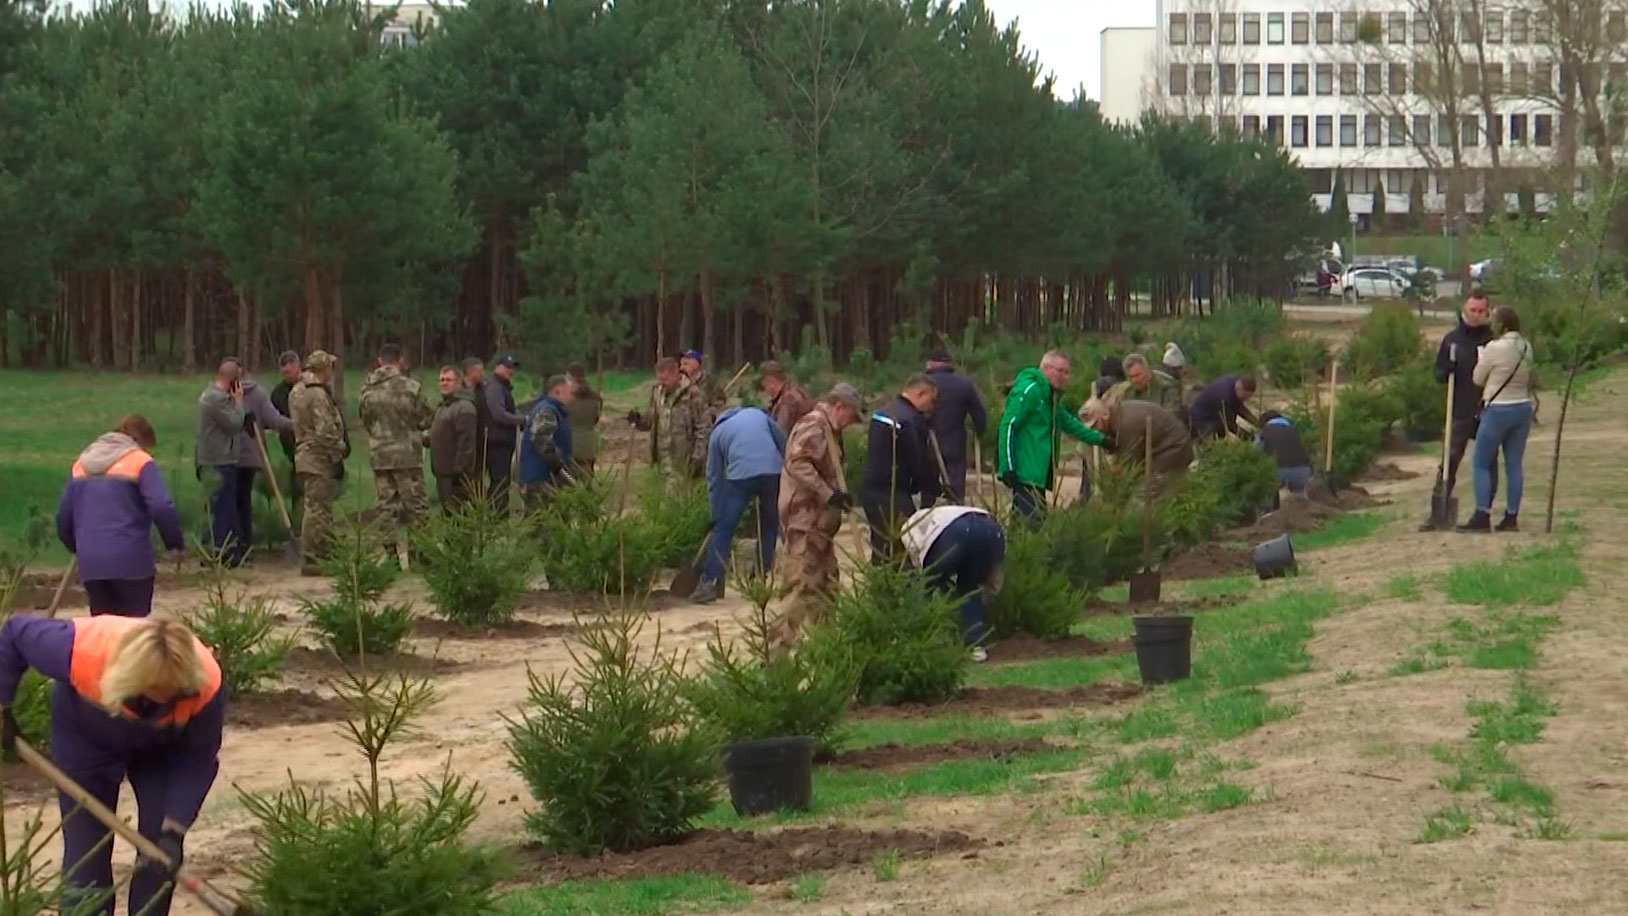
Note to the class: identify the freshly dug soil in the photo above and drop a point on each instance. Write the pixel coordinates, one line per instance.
(983, 701)
(1208, 561)
(1021, 647)
(427, 628)
(1293, 517)
(283, 707)
(752, 857)
(305, 660)
(1349, 499)
(898, 756)
(35, 597)
(24, 787)
(1387, 471)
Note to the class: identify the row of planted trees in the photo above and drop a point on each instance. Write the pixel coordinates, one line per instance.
(566, 177)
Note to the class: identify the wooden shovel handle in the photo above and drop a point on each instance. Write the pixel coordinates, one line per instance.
(198, 887)
(62, 587)
(271, 477)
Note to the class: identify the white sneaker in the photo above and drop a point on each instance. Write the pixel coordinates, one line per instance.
(980, 654)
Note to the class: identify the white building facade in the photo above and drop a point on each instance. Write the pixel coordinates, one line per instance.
(1360, 88)
(1127, 72)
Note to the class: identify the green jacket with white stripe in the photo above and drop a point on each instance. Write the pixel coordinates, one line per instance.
(1035, 416)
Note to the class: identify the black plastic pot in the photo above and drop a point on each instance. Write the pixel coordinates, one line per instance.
(774, 774)
(1164, 648)
(1145, 587)
(1274, 559)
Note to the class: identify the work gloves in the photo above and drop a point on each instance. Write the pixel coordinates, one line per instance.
(634, 417)
(9, 733)
(169, 843)
(841, 501)
(1109, 444)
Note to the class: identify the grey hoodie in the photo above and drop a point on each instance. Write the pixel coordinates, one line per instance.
(220, 421)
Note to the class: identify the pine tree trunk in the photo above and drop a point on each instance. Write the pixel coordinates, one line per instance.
(336, 332)
(135, 323)
(316, 319)
(242, 327)
(709, 315)
(189, 321)
(661, 314)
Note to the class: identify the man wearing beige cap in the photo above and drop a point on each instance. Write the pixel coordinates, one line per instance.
(320, 449)
(813, 496)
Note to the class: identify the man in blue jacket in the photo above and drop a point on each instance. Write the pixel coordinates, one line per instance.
(545, 448)
(744, 459)
(899, 466)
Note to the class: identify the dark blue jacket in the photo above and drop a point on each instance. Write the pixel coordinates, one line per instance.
(115, 496)
(957, 403)
(899, 458)
(536, 467)
(1218, 405)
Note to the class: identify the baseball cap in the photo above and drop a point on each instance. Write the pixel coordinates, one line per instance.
(844, 393)
(691, 354)
(506, 360)
(939, 355)
(319, 359)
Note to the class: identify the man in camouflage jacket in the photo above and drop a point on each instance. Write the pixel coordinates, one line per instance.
(679, 420)
(320, 448)
(813, 496)
(395, 414)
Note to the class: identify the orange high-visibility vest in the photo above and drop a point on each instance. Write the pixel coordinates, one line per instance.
(128, 467)
(94, 640)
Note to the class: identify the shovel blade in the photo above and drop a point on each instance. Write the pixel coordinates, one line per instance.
(685, 582)
(1443, 511)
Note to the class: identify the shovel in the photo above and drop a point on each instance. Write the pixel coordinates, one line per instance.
(1444, 505)
(1334, 482)
(1145, 585)
(292, 548)
(62, 588)
(943, 471)
(688, 579)
(217, 902)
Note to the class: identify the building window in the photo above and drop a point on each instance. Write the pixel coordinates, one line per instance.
(1398, 130)
(1423, 81)
(1325, 28)
(1178, 79)
(1373, 79)
(1274, 129)
(1178, 28)
(1519, 79)
(1543, 130)
(1252, 28)
(1439, 181)
(1297, 131)
(1399, 79)
(1252, 126)
(1348, 79)
(1616, 28)
(1421, 130)
(1619, 81)
(1300, 79)
(1543, 79)
(1201, 29)
(1542, 28)
(1471, 79)
(1444, 132)
(1519, 27)
(1300, 27)
(1372, 128)
(1229, 79)
(1252, 79)
(1396, 180)
(1469, 132)
(1227, 125)
(1421, 28)
(1325, 130)
(1322, 180)
(1396, 28)
(1348, 130)
(1348, 28)
(1201, 79)
(1325, 79)
(1229, 28)
(1362, 181)
(1495, 130)
(1274, 79)
(1493, 77)
(1517, 130)
(1494, 27)
(1471, 26)
(1203, 122)
(1274, 28)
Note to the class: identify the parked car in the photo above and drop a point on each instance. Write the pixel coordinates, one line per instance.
(1483, 271)
(1375, 283)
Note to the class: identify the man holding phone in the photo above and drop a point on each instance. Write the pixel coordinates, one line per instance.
(220, 420)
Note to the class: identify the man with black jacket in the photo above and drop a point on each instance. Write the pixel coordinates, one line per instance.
(504, 423)
(1456, 357)
(957, 403)
(898, 466)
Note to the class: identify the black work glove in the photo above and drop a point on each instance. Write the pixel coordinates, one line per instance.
(9, 733)
(1109, 444)
(1010, 478)
(634, 417)
(841, 501)
(169, 843)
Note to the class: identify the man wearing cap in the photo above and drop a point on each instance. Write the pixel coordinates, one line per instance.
(395, 413)
(697, 375)
(504, 422)
(678, 420)
(957, 402)
(320, 449)
(813, 496)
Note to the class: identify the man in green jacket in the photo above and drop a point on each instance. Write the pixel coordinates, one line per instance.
(1034, 417)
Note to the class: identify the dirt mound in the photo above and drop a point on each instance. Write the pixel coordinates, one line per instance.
(897, 756)
(305, 660)
(283, 707)
(550, 601)
(1387, 471)
(1210, 560)
(1021, 647)
(24, 787)
(1349, 499)
(983, 701)
(752, 857)
(35, 597)
(1293, 517)
(426, 628)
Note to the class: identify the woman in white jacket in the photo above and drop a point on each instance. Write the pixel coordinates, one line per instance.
(1504, 374)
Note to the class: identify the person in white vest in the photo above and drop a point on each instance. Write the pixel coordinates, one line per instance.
(963, 551)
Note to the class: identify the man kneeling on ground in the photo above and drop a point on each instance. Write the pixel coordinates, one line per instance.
(1282, 441)
(963, 552)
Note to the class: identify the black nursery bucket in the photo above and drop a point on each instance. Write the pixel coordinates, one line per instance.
(1164, 648)
(1145, 587)
(774, 774)
(1274, 559)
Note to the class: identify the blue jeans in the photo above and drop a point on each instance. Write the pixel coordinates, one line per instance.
(231, 513)
(729, 501)
(960, 562)
(1503, 426)
(1295, 479)
(1028, 502)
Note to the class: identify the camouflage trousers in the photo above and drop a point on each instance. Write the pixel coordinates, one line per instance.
(810, 572)
(535, 496)
(316, 527)
(402, 500)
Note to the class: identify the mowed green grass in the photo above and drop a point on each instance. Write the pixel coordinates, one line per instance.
(50, 417)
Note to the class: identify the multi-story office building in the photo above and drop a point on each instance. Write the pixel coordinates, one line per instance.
(1399, 97)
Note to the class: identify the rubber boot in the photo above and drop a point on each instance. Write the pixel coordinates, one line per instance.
(705, 593)
(1479, 523)
(1509, 523)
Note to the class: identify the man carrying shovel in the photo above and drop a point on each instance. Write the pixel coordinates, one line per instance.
(1455, 367)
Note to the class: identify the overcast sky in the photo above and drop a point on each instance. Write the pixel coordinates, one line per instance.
(1067, 34)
